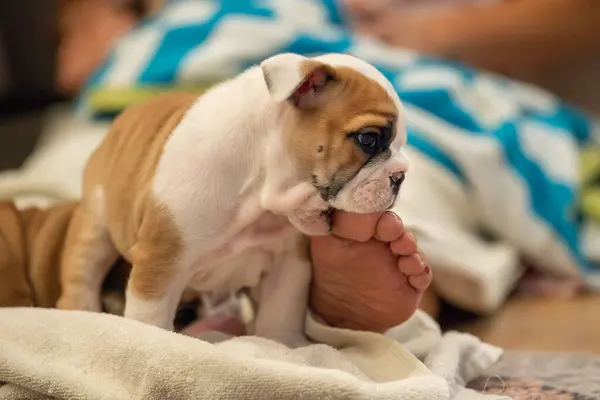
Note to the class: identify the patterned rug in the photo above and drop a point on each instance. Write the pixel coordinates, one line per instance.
(543, 376)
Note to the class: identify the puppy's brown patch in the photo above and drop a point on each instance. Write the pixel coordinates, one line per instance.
(319, 135)
(139, 224)
(131, 219)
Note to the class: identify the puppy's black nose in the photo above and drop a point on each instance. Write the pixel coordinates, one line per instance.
(395, 181)
(397, 178)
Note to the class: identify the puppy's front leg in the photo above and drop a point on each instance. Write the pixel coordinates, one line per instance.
(278, 201)
(284, 296)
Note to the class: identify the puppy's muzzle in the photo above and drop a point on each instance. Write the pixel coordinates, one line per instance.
(396, 180)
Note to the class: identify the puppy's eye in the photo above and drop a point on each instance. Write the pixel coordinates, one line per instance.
(368, 140)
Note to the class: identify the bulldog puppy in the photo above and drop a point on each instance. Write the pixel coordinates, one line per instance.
(218, 192)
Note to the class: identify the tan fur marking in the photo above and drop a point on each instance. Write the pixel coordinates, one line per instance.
(45, 235)
(317, 136)
(31, 243)
(154, 255)
(15, 287)
(137, 224)
(123, 166)
(89, 254)
(363, 120)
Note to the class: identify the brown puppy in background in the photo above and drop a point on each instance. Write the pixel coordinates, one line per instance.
(31, 245)
(31, 248)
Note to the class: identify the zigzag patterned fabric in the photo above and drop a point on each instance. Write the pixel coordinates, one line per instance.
(512, 147)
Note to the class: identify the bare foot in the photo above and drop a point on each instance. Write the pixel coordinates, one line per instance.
(368, 275)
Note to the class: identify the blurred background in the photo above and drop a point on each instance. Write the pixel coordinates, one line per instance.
(67, 67)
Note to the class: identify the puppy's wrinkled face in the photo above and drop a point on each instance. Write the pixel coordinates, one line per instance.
(345, 126)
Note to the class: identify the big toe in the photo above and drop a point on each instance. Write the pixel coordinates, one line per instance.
(357, 227)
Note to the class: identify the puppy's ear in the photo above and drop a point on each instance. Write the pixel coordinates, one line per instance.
(296, 78)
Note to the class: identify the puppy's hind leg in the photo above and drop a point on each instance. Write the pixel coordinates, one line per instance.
(159, 272)
(155, 287)
(88, 256)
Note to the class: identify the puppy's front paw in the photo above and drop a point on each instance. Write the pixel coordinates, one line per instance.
(312, 222)
(84, 302)
(295, 341)
(113, 303)
(284, 202)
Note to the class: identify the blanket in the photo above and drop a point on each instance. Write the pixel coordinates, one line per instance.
(52, 354)
(502, 157)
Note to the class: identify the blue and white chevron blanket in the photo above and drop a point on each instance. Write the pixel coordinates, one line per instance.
(512, 148)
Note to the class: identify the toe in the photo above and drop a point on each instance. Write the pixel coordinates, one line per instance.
(417, 271)
(422, 281)
(389, 227)
(357, 227)
(411, 265)
(405, 245)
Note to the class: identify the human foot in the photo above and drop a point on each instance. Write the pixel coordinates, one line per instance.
(369, 274)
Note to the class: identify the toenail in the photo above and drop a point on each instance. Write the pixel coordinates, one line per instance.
(394, 215)
(427, 269)
(420, 260)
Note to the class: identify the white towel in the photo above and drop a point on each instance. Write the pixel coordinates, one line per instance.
(56, 354)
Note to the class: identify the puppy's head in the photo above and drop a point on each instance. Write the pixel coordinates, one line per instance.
(344, 125)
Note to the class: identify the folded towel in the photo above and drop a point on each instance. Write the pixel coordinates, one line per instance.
(56, 354)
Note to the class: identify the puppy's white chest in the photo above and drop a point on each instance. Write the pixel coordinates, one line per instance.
(245, 257)
(267, 229)
(268, 232)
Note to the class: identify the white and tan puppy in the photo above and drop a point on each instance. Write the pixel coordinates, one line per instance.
(218, 192)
